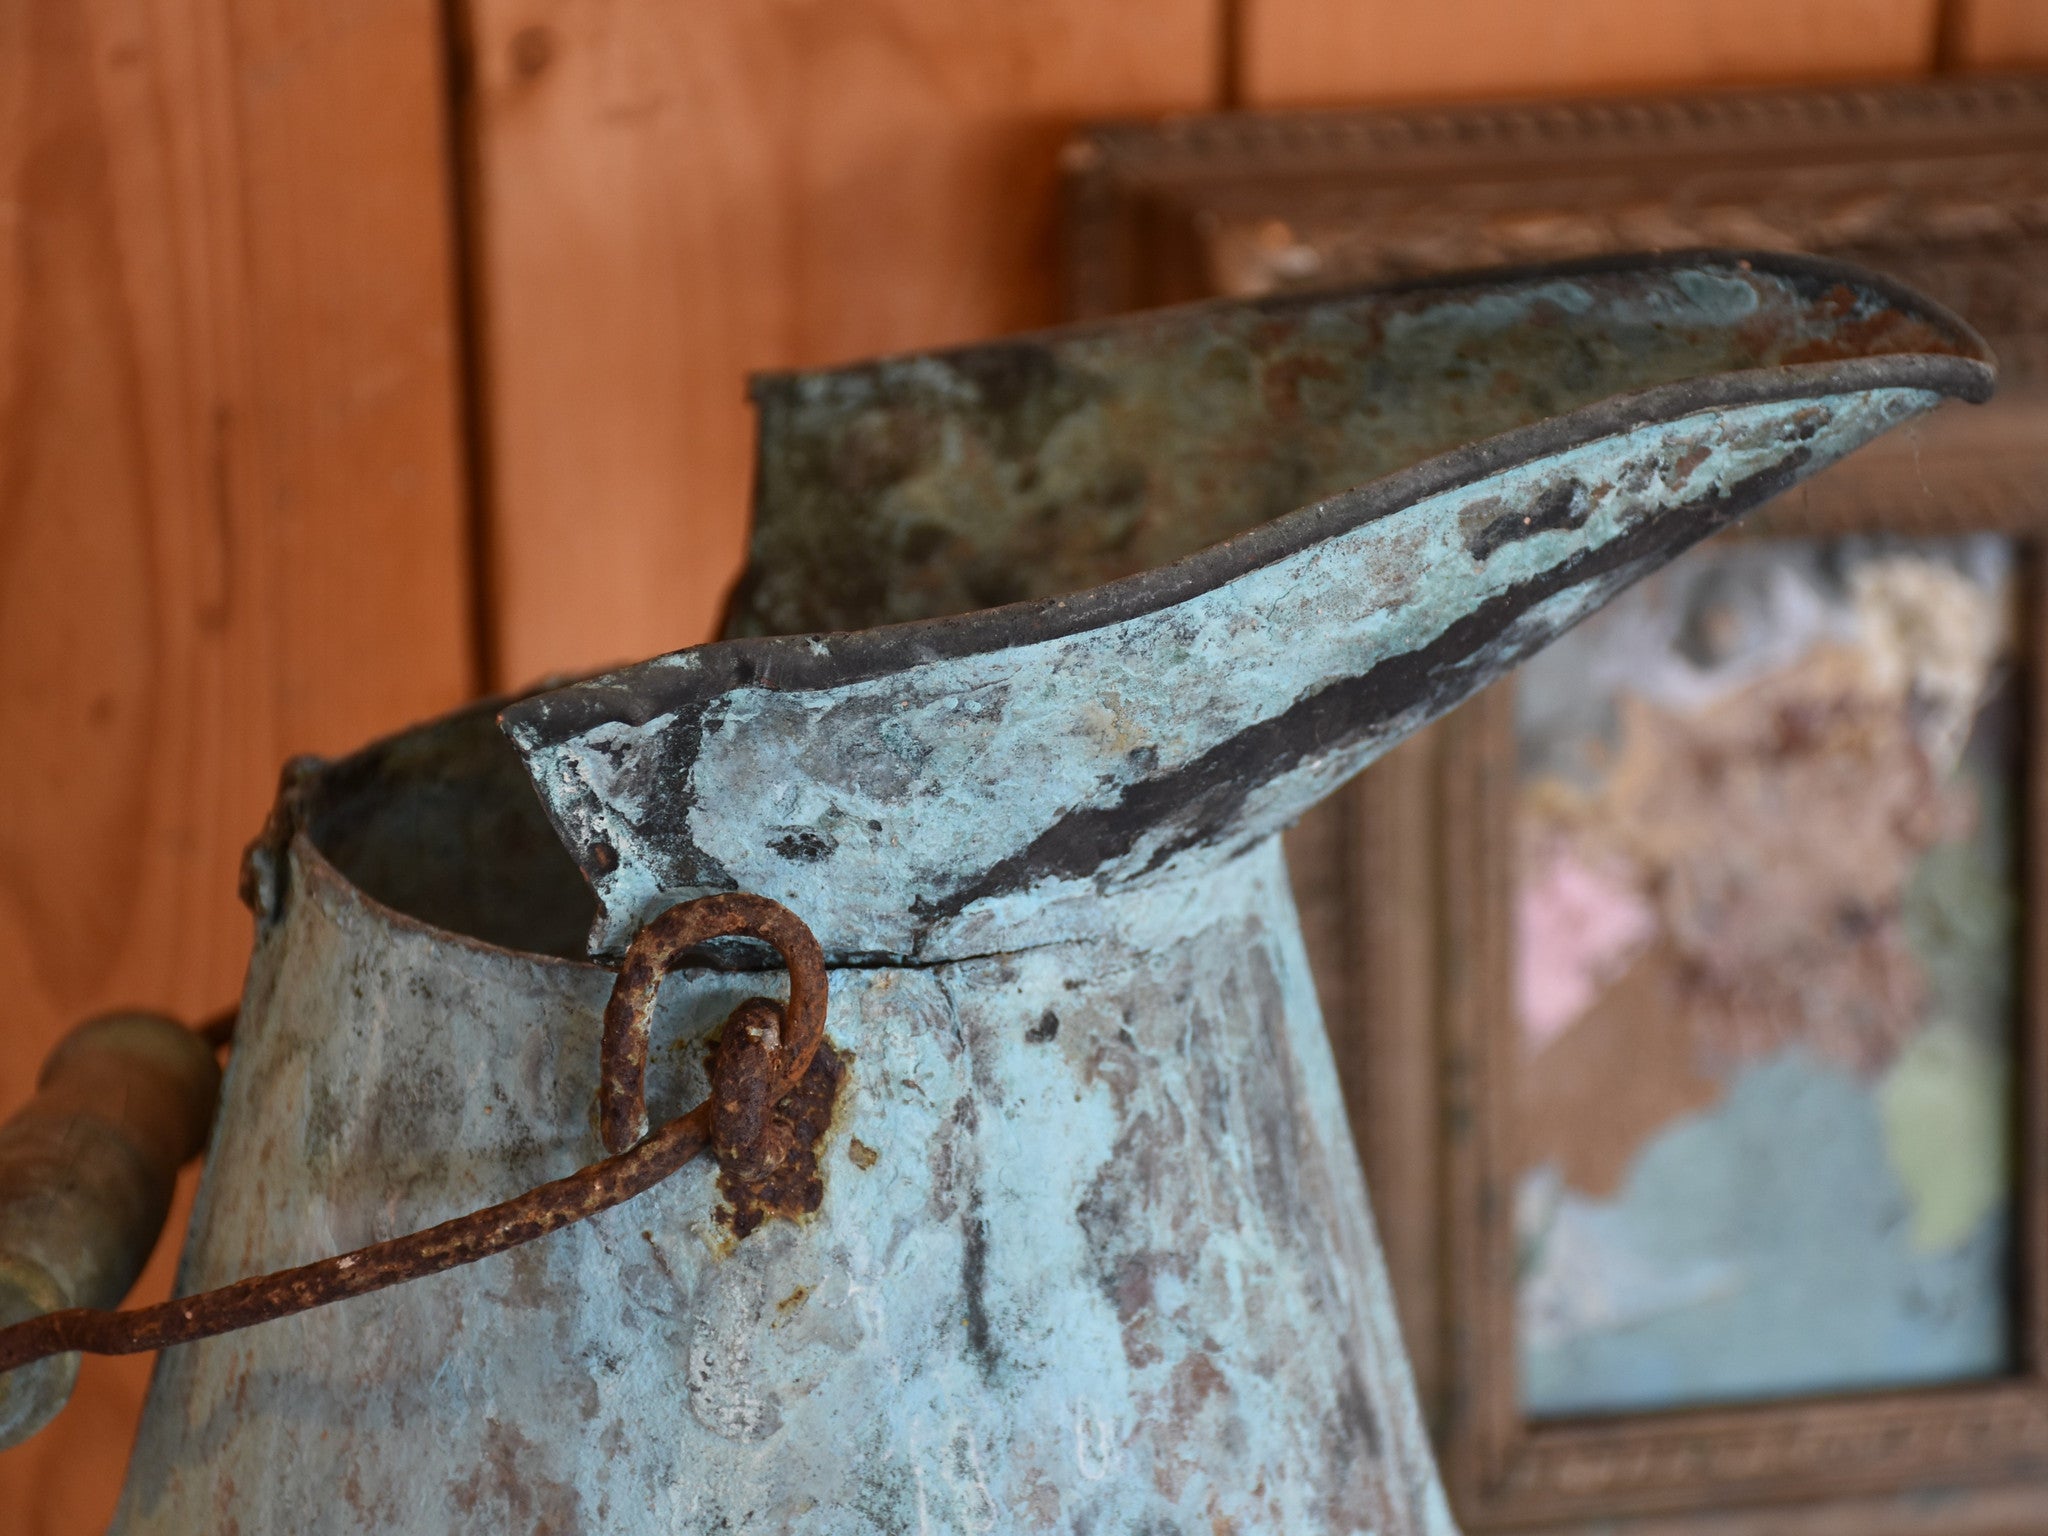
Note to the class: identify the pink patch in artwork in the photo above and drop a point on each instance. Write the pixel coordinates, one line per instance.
(1576, 929)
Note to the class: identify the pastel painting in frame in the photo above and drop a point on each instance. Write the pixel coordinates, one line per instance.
(1766, 977)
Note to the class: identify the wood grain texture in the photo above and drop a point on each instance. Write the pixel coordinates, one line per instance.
(1330, 52)
(1997, 34)
(231, 512)
(670, 196)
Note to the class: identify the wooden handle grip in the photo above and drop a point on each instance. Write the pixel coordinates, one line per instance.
(86, 1173)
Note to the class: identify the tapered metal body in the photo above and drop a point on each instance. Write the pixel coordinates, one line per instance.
(1093, 1253)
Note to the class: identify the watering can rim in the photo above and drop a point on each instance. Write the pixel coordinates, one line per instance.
(320, 873)
(1780, 263)
(287, 846)
(289, 842)
(644, 690)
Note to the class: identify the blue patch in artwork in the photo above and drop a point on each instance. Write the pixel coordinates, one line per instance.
(1762, 1249)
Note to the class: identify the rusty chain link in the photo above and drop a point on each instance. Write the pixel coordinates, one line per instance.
(763, 1052)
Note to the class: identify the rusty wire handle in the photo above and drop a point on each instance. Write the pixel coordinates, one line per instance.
(773, 1036)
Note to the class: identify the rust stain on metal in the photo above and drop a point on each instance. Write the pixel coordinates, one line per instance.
(1854, 327)
(782, 1178)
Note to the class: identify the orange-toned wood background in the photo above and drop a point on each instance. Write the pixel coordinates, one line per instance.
(359, 355)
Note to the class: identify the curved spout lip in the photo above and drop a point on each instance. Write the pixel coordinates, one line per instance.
(643, 691)
(974, 783)
(1789, 264)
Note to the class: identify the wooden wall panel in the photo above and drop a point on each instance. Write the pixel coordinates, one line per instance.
(232, 500)
(231, 511)
(670, 196)
(1332, 52)
(1999, 34)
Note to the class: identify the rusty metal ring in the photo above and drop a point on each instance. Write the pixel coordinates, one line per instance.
(632, 1169)
(661, 946)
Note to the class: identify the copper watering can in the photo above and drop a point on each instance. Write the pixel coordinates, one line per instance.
(1031, 1203)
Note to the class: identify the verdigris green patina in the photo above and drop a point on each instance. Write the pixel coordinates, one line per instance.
(1092, 1253)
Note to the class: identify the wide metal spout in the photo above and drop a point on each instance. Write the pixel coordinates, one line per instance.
(1244, 549)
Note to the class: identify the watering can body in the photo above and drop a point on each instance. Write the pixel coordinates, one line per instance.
(1078, 1240)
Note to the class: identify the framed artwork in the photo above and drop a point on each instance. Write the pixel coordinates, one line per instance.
(1687, 987)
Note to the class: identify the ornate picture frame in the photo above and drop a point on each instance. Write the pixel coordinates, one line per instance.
(1404, 878)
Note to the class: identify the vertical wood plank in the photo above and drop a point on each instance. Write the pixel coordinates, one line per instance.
(671, 196)
(1998, 34)
(231, 513)
(1329, 52)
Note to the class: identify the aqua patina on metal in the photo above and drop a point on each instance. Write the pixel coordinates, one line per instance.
(1085, 1247)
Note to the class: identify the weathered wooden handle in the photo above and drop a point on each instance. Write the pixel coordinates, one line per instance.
(86, 1173)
